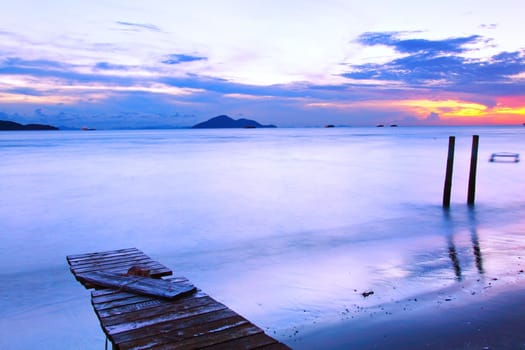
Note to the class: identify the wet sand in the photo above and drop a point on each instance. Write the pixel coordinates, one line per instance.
(450, 320)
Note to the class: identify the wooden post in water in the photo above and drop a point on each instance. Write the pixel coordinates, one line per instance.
(473, 167)
(448, 176)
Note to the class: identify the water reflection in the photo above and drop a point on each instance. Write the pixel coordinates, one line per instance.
(475, 240)
(453, 252)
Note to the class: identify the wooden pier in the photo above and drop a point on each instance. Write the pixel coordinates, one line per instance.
(142, 320)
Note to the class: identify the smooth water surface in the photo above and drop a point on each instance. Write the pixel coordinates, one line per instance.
(286, 226)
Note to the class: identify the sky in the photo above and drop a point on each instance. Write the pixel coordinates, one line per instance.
(156, 63)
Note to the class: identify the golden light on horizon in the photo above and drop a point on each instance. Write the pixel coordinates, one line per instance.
(505, 111)
(467, 111)
(509, 110)
(445, 108)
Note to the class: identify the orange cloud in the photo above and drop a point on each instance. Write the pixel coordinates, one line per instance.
(445, 108)
(508, 110)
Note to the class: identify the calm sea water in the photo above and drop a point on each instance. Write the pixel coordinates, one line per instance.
(286, 226)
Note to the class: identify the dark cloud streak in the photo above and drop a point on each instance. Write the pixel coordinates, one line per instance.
(433, 47)
(54, 69)
(139, 26)
(110, 66)
(182, 58)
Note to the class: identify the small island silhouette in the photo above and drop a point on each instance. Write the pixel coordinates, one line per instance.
(223, 121)
(6, 125)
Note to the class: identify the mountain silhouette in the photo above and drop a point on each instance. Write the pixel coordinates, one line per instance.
(223, 121)
(9, 125)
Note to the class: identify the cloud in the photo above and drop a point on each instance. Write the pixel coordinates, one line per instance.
(22, 63)
(27, 91)
(433, 117)
(419, 46)
(182, 58)
(489, 26)
(110, 66)
(442, 65)
(58, 70)
(138, 26)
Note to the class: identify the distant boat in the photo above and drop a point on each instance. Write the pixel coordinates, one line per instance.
(329, 126)
(393, 126)
(379, 125)
(84, 128)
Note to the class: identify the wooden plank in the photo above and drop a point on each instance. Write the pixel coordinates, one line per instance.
(244, 343)
(123, 298)
(139, 306)
(131, 324)
(114, 295)
(138, 284)
(214, 336)
(103, 256)
(153, 274)
(119, 265)
(196, 337)
(173, 327)
(75, 257)
(179, 307)
(156, 272)
(274, 346)
(109, 259)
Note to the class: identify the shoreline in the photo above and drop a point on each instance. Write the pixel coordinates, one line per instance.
(494, 319)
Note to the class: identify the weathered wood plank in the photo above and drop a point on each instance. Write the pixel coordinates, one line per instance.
(215, 336)
(123, 264)
(173, 327)
(103, 255)
(99, 294)
(164, 307)
(118, 295)
(123, 299)
(121, 268)
(131, 324)
(155, 272)
(244, 343)
(197, 336)
(139, 306)
(137, 284)
(274, 346)
(119, 300)
(74, 257)
(106, 293)
(109, 259)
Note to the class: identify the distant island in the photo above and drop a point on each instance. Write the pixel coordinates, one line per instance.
(223, 121)
(6, 125)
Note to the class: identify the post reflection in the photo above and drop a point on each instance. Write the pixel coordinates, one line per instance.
(475, 240)
(453, 252)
